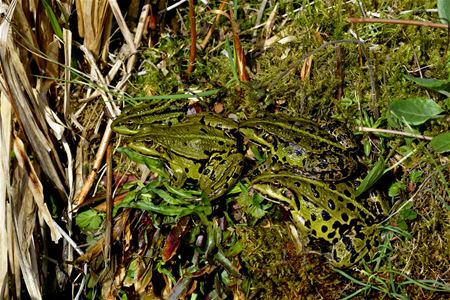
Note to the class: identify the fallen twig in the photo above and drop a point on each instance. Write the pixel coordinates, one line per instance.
(395, 132)
(397, 22)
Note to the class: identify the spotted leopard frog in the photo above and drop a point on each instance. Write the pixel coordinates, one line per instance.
(305, 168)
(199, 148)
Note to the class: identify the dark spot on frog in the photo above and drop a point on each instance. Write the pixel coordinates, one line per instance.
(347, 193)
(344, 217)
(368, 244)
(349, 245)
(313, 217)
(297, 202)
(306, 199)
(226, 186)
(331, 204)
(340, 199)
(324, 228)
(297, 140)
(331, 235)
(314, 191)
(325, 215)
(335, 240)
(360, 236)
(275, 159)
(332, 186)
(363, 215)
(275, 145)
(221, 143)
(351, 206)
(297, 184)
(336, 225)
(354, 222)
(343, 229)
(308, 224)
(314, 232)
(335, 257)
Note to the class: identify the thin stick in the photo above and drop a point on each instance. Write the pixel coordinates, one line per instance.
(213, 26)
(397, 22)
(109, 205)
(79, 200)
(193, 50)
(395, 132)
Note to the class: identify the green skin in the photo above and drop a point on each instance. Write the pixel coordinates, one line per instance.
(305, 167)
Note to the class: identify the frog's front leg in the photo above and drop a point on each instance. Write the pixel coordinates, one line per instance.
(220, 174)
(182, 169)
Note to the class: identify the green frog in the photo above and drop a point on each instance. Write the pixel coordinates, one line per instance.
(200, 148)
(307, 167)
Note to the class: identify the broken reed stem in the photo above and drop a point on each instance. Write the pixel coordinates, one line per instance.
(79, 200)
(397, 22)
(213, 26)
(394, 132)
(193, 50)
(109, 205)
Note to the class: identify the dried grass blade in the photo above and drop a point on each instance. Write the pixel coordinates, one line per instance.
(30, 276)
(92, 16)
(35, 186)
(122, 25)
(5, 142)
(28, 108)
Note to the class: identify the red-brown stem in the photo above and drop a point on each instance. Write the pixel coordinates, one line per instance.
(193, 50)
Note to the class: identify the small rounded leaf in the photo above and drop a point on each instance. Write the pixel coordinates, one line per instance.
(441, 143)
(415, 111)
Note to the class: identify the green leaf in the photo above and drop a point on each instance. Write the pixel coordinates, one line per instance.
(441, 142)
(415, 176)
(155, 165)
(89, 220)
(396, 188)
(439, 85)
(444, 11)
(408, 214)
(372, 177)
(415, 111)
(53, 19)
